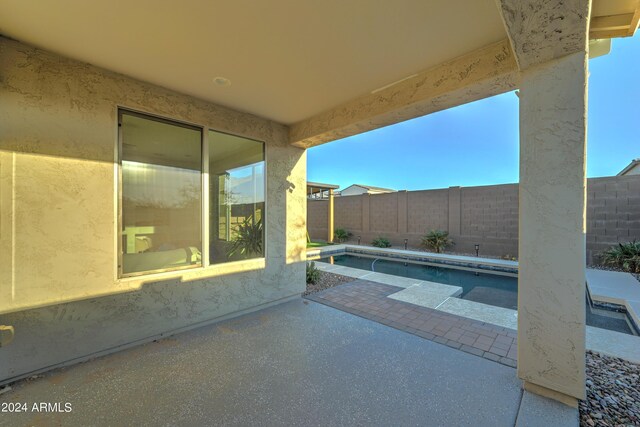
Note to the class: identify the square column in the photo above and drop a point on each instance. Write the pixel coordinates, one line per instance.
(551, 283)
(330, 213)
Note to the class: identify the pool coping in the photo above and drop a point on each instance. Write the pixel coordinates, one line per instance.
(417, 256)
(603, 341)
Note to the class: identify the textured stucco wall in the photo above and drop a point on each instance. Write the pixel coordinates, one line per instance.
(479, 74)
(58, 226)
(487, 215)
(551, 246)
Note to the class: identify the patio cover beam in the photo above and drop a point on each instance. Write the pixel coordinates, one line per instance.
(480, 74)
(543, 30)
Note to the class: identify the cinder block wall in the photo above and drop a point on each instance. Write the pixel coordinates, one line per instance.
(486, 215)
(317, 218)
(613, 211)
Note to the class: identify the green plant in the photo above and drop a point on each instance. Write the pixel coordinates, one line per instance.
(381, 242)
(625, 256)
(342, 235)
(248, 239)
(437, 240)
(313, 274)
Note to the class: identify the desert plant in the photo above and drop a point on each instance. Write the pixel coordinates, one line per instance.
(342, 235)
(313, 274)
(381, 242)
(437, 240)
(625, 256)
(248, 239)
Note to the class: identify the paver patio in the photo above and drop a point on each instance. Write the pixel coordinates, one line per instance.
(369, 300)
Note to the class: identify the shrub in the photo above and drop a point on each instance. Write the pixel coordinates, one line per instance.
(437, 240)
(248, 240)
(381, 242)
(313, 274)
(625, 256)
(342, 235)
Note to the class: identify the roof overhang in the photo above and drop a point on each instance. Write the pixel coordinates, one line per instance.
(327, 70)
(614, 18)
(285, 60)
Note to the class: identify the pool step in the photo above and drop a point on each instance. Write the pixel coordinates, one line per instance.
(426, 294)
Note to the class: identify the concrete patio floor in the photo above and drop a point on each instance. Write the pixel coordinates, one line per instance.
(298, 363)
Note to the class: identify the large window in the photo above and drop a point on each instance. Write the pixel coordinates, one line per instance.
(163, 199)
(236, 204)
(161, 194)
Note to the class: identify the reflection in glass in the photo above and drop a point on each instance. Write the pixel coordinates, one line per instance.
(236, 185)
(161, 194)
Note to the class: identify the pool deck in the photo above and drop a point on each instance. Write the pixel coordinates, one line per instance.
(300, 364)
(609, 287)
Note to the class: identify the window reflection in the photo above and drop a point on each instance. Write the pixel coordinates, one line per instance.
(236, 171)
(161, 194)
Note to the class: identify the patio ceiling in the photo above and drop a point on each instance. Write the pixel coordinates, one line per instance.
(287, 60)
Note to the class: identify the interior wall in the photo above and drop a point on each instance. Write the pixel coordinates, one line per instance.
(58, 227)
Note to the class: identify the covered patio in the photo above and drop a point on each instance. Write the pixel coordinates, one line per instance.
(300, 363)
(241, 92)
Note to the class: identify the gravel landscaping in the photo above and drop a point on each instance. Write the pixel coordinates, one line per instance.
(327, 280)
(613, 392)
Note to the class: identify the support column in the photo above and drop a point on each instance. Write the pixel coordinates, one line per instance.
(551, 284)
(330, 217)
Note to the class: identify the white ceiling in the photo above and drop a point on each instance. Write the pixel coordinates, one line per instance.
(287, 59)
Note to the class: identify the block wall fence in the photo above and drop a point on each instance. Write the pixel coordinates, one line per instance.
(486, 215)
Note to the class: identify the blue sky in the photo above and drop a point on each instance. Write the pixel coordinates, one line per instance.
(477, 143)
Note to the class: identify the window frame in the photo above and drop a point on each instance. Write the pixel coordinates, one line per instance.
(204, 199)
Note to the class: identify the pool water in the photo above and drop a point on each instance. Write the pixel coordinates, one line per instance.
(488, 288)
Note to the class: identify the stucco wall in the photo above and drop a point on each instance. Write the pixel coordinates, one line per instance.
(486, 215)
(58, 228)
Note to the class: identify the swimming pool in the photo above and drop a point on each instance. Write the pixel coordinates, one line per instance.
(495, 288)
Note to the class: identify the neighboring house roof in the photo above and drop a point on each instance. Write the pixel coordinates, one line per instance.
(371, 188)
(318, 188)
(634, 163)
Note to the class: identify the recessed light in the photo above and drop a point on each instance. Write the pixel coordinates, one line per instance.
(222, 81)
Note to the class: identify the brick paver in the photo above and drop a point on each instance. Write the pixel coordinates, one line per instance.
(369, 300)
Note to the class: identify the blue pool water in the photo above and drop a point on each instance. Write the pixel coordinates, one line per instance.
(499, 290)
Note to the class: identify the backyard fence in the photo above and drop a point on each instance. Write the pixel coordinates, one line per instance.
(486, 215)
